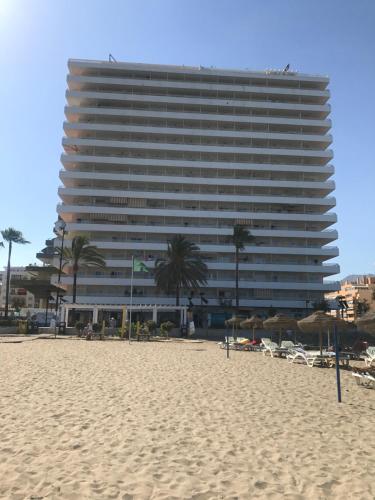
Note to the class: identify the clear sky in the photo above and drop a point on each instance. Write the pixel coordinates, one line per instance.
(333, 37)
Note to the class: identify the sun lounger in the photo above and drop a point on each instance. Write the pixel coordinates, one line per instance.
(273, 349)
(288, 344)
(370, 356)
(311, 358)
(364, 376)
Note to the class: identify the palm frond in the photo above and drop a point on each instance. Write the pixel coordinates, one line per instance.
(14, 236)
(182, 267)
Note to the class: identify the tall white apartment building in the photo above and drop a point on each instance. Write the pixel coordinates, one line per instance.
(152, 151)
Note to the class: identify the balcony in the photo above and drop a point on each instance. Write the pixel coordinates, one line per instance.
(220, 283)
(75, 113)
(76, 98)
(110, 83)
(76, 159)
(81, 129)
(322, 156)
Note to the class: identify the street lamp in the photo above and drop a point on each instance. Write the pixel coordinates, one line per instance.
(59, 229)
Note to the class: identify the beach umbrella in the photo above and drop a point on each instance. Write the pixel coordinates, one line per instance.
(253, 322)
(234, 322)
(280, 323)
(320, 321)
(367, 323)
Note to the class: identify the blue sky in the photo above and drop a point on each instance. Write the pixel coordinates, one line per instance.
(334, 37)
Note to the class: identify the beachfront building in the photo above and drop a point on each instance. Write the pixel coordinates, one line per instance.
(151, 151)
(19, 297)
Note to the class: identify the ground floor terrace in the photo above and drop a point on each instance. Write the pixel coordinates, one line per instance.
(97, 313)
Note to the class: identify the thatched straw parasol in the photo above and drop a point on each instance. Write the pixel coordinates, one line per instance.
(234, 322)
(367, 323)
(253, 322)
(319, 320)
(280, 323)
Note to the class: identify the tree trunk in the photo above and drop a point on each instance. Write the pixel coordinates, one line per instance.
(74, 287)
(8, 281)
(177, 295)
(237, 298)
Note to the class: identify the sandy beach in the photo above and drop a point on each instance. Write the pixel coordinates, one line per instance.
(101, 420)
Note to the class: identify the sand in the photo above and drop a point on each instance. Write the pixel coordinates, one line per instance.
(101, 420)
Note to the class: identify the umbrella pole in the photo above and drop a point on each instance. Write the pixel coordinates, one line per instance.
(253, 333)
(227, 343)
(338, 382)
(321, 341)
(280, 337)
(328, 341)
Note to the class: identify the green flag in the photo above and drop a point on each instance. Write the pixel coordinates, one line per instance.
(139, 266)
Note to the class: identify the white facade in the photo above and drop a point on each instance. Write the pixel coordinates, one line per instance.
(17, 296)
(152, 151)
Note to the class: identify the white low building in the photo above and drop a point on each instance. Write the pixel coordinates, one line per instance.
(19, 298)
(154, 150)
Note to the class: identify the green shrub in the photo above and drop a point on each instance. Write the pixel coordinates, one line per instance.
(165, 328)
(151, 326)
(96, 327)
(79, 326)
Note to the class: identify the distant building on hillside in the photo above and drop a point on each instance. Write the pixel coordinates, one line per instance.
(356, 295)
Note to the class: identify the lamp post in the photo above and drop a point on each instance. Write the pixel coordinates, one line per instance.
(59, 229)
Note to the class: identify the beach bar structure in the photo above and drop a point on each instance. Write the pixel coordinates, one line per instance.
(96, 308)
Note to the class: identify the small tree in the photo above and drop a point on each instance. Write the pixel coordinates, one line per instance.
(166, 328)
(18, 303)
(151, 326)
(360, 306)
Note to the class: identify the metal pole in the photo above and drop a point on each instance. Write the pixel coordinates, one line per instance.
(60, 269)
(131, 300)
(337, 356)
(47, 300)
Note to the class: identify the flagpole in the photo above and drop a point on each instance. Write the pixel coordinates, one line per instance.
(131, 300)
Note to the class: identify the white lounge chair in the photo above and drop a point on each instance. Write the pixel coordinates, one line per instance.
(311, 358)
(288, 344)
(364, 377)
(272, 348)
(370, 356)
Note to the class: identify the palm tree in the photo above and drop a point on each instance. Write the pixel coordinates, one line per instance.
(81, 254)
(183, 267)
(239, 238)
(11, 235)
